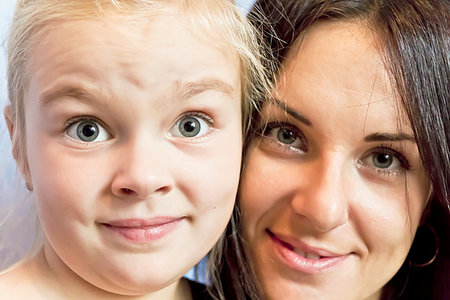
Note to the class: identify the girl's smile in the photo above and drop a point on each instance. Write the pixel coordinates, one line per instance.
(133, 140)
(143, 231)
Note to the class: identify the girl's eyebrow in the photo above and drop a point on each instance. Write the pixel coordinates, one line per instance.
(183, 90)
(291, 111)
(186, 90)
(81, 93)
(396, 137)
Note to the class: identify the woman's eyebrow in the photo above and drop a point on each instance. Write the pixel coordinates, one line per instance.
(392, 137)
(291, 111)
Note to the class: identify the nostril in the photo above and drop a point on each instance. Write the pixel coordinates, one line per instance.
(140, 190)
(126, 191)
(164, 189)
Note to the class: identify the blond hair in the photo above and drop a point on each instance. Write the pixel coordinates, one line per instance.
(220, 20)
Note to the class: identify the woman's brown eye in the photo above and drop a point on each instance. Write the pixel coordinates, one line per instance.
(382, 160)
(385, 161)
(286, 136)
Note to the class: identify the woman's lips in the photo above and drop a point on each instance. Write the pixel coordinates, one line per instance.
(302, 257)
(143, 230)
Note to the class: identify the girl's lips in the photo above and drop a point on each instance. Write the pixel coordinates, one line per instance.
(303, 257)
(143, 230)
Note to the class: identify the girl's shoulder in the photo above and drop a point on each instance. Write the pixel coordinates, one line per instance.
(15, 283)
(199, 291)
(25, 280)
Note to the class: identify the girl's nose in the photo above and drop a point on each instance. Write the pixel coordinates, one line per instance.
(143, 171)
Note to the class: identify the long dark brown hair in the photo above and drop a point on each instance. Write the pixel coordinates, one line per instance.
(415, 44)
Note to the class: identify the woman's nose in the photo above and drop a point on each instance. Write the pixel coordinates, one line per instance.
(143, 171)
(322, 196)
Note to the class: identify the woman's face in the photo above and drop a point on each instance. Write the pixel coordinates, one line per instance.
(333, 192)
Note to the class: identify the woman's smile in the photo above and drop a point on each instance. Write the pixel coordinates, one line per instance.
(303, 257)
(331, 178)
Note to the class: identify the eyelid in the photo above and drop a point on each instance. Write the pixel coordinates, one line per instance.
(77, 119)
(198, 138)
(72, 121)
(269, 126)
(198, 114)
(387, 149)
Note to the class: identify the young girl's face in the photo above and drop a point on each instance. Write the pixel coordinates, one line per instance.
(334, 191)
(133, 141)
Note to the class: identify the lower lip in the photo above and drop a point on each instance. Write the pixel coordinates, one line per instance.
(306, 265)
(145, 234)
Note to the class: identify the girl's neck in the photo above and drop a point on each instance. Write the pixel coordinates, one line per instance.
(45, 276)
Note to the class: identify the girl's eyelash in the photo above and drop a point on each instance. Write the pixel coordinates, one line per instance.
(198, 114)
(77, 119)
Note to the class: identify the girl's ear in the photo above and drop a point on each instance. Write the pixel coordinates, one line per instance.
(16, 151)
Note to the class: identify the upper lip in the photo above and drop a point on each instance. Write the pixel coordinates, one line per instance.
(299, 245)
(142, 223)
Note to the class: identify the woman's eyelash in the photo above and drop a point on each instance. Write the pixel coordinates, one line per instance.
(389, 149)
(267, 127)
(368, 161)
(275, 132)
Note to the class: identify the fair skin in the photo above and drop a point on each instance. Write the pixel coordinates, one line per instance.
(130, 210)
(333, 192)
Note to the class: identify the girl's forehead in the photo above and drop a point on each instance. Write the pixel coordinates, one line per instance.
(130, 33)
(108, 54)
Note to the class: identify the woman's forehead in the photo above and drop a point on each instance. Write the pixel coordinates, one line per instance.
(337, 64)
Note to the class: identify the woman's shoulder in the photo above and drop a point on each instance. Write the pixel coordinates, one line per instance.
(199, 291)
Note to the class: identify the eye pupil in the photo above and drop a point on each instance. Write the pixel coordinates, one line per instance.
(286, 136)
(87, 131)
(382, 160)
(189, 127)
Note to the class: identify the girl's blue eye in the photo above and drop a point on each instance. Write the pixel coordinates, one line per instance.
(191, 126)
(88, 131)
